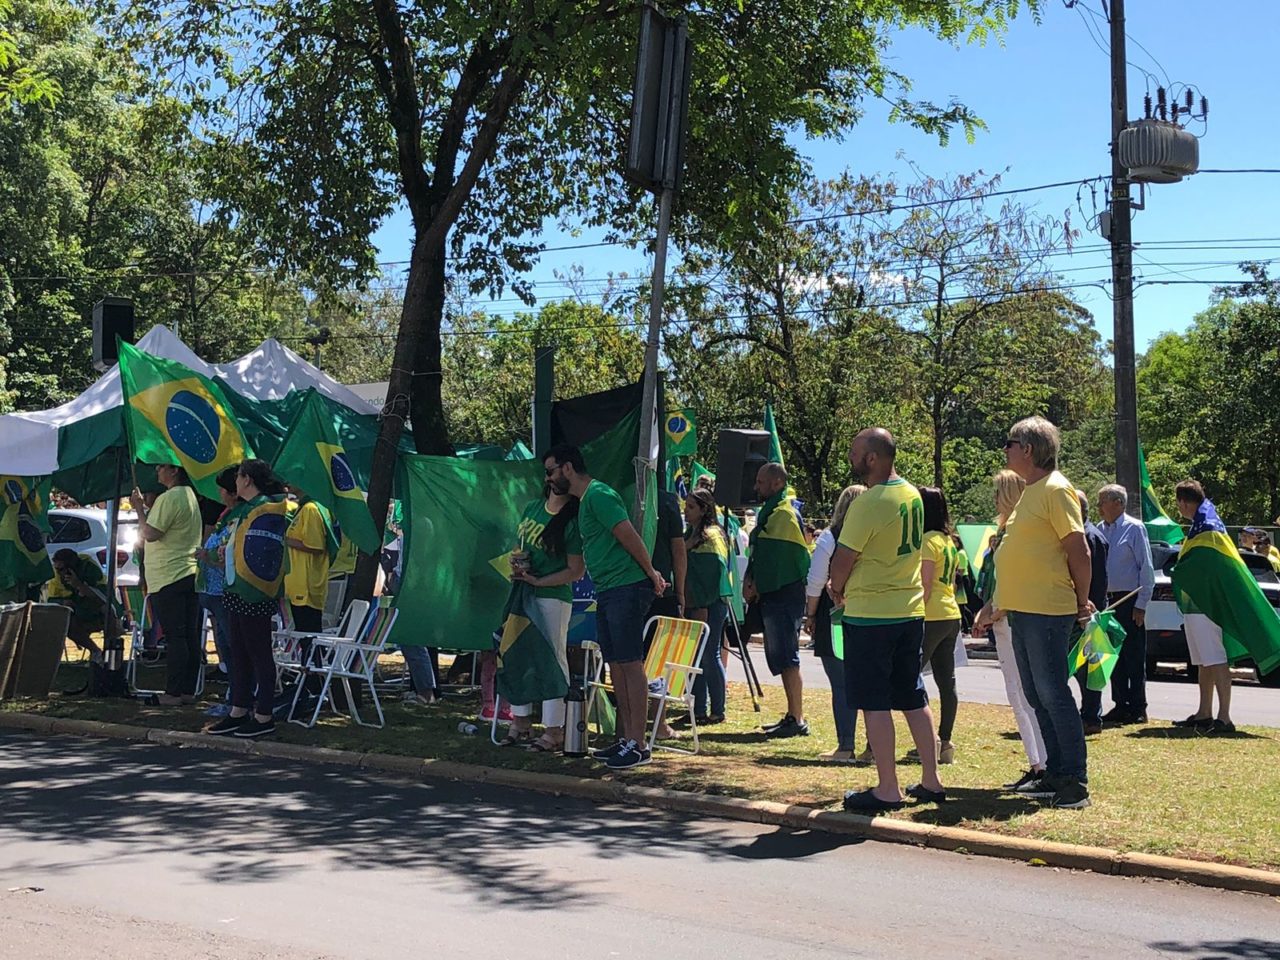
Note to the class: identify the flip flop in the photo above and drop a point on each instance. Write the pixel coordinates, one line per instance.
(515, 739)
(544, 745)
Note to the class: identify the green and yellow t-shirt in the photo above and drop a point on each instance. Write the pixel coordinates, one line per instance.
(885, 526)
(941, 550)
(600, 510)
(707, 578)
(86, 609)
(779, 554)
(541, 562)
(1031, 567)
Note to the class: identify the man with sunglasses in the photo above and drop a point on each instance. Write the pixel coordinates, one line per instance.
(626, 583)
(1043, 575)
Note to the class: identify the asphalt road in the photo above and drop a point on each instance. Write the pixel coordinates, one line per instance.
(111, 850)
(1169, 698)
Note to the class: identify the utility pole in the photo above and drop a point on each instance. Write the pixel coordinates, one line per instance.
(1122, 275)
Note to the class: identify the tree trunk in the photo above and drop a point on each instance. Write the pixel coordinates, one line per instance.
(413, 330)
(426, 400)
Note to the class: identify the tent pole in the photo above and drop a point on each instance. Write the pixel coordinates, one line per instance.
(110, 628)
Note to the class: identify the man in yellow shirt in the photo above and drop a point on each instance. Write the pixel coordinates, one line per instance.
(1043, 575)
(306, 584)
(875, 574)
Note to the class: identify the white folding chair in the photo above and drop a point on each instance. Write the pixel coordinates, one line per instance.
(332, 613)
(287, 643)
(346, 660)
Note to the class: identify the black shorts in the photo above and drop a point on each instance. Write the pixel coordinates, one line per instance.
(882, 666)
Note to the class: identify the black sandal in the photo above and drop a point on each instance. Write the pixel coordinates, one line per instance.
(516, 738)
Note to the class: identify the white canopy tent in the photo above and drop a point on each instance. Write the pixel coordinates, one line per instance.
(29, 441)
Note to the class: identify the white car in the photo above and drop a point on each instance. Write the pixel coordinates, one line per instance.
(86, 530)
(1166, 643)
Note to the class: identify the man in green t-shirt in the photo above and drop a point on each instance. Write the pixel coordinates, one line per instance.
(875, 574)
(626, 583)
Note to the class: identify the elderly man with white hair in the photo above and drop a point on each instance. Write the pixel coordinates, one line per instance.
(1129, 568)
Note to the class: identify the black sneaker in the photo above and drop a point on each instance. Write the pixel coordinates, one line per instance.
(227, 725)
(785, 719)
(1071, 795)
(1027, 777)
(631, 755)
(864, 801)
(605, 753)
(252, 727)
(787, 728)
(1117, 715)
(1041, 788)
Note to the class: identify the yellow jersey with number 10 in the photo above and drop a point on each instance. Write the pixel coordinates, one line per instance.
(886, 527)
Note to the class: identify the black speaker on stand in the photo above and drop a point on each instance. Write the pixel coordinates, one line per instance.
(739, 456)
(112, 317)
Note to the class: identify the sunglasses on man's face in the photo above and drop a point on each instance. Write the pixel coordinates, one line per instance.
(551, 470)
(1012, 443)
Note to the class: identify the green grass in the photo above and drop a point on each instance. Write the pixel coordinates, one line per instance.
(1155, 789)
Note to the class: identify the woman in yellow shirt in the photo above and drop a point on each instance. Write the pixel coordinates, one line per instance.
(939, 563)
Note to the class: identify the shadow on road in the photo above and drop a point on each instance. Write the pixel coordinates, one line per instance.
(247, 819)
(1247, 949)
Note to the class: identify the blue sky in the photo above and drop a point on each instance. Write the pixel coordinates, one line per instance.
(1045, 95)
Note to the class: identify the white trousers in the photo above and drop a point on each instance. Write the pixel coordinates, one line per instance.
(1028, 727)
(554, 616)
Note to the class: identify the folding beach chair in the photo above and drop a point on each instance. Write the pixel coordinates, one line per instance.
(332, 613)
(347, 660)
(287, 645)
(670, 668)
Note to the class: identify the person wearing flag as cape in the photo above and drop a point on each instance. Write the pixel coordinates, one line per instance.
(1224, 615)
(776, 575)
(255, 560)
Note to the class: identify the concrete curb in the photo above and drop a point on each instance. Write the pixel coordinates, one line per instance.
(958, 839)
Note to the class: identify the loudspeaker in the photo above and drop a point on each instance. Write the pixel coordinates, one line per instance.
(112, 317)
(739, 455)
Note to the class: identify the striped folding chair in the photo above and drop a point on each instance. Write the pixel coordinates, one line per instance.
(670, 667)
(335, 658)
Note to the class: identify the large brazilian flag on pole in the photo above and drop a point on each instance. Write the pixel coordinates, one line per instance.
(1210, 578)
(1159, 526)
(174, 415)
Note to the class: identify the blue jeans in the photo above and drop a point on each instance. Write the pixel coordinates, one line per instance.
(782, 612)
(710, 683)
(221, 632)
(846, 718)
(1040, 647)
(620, 617)
(418, 660)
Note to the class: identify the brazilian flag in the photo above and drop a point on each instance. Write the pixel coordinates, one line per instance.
(256, 554)
(682, 433)
(24, 522)
(1210, 578)
(531, 667)
(174, 415)
(313, 459)
(1097, 648)
(1159, 526)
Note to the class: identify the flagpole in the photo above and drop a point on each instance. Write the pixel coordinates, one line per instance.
(1127, 596)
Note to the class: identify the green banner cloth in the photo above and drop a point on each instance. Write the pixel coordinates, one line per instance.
(313, 459)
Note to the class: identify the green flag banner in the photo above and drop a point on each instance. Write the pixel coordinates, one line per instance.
(775, 444)
(530, 668)
(976, 537)
(461, 518)
(682, 433)
(1159, 526)
(1212, 576)
(313, 459)
(698, 471)
(24, 522)
(1097, 648)
(174, 415)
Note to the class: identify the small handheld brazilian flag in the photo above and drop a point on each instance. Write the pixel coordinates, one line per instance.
(682, 433)
(1097, 648)
(174, 415)
(313, 459)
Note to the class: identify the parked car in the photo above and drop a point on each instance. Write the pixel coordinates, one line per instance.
(86, 530)
(1166, 642)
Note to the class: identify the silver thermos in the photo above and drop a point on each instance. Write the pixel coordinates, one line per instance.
(575, 721)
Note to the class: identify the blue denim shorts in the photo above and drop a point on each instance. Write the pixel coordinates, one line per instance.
(882, 665)
(782, 612)
(620, 616)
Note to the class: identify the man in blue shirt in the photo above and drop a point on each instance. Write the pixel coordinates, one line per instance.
(1129, 568)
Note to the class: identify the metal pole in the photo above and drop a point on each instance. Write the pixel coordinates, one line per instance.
(111, 630)
(649, 396)
(544, 378)
(1122, 275)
